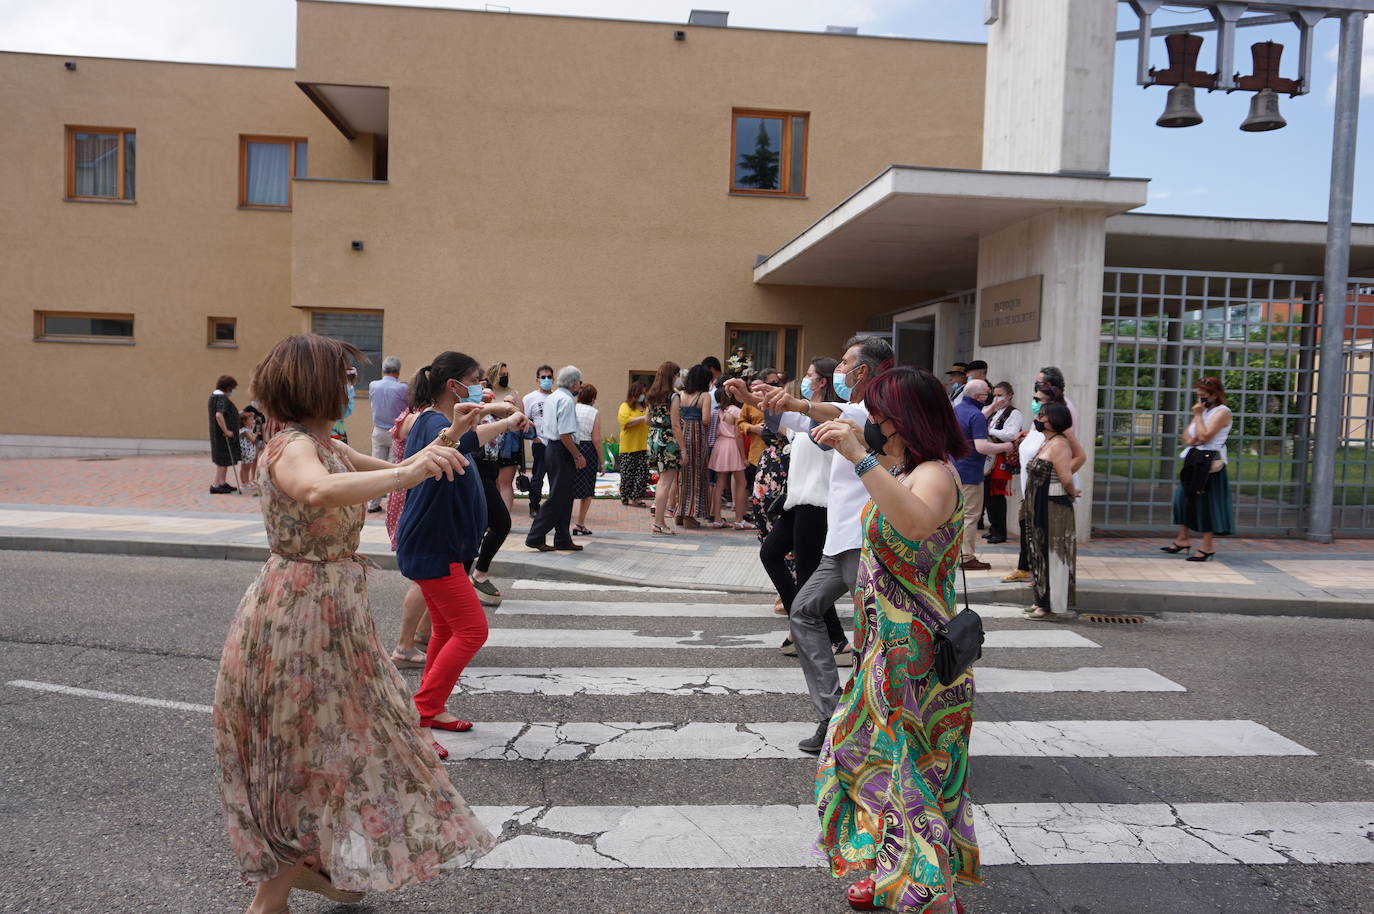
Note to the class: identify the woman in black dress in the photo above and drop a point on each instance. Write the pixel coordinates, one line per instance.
(224, 433)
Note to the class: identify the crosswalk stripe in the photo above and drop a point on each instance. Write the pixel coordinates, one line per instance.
(777, 680)
(587, 740)
(109, 696)
(1028, 834)
(620, 638)
(688, 610)
(569, 586)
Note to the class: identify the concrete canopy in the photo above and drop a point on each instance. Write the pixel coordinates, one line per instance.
(918, 228)
(354, 110)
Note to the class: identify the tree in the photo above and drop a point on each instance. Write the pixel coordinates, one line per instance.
(761, 167)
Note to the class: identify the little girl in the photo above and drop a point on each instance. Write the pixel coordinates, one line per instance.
(248, 451)
(727, 459)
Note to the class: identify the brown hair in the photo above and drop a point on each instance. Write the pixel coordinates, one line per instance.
(303, 378)
(1213, 387)
(493, 374)
(661, 391)
(587, 394)
(226, 383)
(635, 391)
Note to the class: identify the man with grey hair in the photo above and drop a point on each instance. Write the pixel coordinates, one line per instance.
(389, 397)
(563, 460)
(968, 412)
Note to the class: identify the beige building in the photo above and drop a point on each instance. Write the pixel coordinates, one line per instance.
(524, 188)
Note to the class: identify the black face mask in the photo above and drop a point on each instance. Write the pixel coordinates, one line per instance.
(874, 437)
(505, 380)
(1039, 425)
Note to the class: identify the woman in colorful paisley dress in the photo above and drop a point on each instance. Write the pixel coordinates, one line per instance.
(891, 787)
(328, 782)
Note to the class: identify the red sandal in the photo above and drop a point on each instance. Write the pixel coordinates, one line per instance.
(440, 751)
(453, 726)
(860, 895)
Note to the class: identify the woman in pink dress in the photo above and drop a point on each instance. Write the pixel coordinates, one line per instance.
(328, 782)
(727, 459)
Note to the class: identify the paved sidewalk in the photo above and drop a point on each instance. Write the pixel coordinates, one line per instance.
(161, 505)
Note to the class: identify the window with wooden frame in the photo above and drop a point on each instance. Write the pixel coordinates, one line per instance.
(266, 166)
(82, 327)
(767, 346)
(221, 332)
(768, 152)
(361, 328)
(100, 163)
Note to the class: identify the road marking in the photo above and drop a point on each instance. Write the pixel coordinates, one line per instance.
(1027, 834)
(580, 741)
(569, 586)
(109, 696)
(620, 638)
(777, 680)
(689, 610)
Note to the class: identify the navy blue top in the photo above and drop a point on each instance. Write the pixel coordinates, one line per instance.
(442, 522)
(970, 417)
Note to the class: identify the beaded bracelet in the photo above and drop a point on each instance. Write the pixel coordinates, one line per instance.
(867, 463)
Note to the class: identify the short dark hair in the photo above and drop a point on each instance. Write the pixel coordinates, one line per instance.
(303, 378)
(698, 380)
(874, 351)
(543, 368)
(587, 394)
(711, 363)
(1057, 413)
(226, 383)
(915, 402)
(429, 381)
(1054, 376)
(1011, 391)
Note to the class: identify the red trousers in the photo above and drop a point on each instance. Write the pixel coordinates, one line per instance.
(459, 630)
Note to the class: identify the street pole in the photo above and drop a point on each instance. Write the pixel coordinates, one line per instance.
(1335, 279)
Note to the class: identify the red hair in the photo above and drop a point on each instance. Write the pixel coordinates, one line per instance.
(915, 401)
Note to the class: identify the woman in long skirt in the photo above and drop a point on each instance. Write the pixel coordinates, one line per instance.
(328, 782)
(691, 412)
(1047, 516)
(1209, 511)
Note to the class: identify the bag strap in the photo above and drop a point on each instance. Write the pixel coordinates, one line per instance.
(964, 574)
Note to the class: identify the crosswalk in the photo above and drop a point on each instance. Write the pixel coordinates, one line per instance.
(638, 627)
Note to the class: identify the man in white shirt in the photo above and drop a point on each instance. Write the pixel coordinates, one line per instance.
(864, 358)
(564, 459)
(534, 411)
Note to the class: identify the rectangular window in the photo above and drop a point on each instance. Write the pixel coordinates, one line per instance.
(766, 346)
(361, 328)
(222, 332)
(83, 327)
(266, 166)
(100, 163)
(768, 150)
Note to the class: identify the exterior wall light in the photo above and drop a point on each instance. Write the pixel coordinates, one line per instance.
(357, 245)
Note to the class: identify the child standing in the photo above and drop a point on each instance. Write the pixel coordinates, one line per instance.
(248, 450)
(727, 459)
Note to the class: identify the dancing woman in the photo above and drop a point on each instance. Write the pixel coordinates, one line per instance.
(328, 783)
(891, 786)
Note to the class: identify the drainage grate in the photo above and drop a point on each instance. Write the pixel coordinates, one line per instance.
(1118, 620)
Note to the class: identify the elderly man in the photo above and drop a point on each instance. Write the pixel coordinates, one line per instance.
(563, 460)
(388, 396)
(969, 414)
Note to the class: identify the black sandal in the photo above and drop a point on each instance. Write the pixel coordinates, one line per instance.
(1200, 557)
(579, 530)
(1173, 548)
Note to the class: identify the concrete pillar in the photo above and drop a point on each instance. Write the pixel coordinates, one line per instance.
(1048, 87)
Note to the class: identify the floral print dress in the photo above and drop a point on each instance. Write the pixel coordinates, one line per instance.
(320, 753)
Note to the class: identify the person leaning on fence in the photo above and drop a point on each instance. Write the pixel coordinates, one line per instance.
(1202, 499)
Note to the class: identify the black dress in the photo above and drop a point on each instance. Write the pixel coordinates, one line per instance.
(224, 451)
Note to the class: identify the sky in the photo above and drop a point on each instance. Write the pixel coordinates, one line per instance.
(1211, 169)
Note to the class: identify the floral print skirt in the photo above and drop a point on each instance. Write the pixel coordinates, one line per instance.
(320, 752)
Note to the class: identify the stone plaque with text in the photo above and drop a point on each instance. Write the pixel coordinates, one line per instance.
(1010, 312)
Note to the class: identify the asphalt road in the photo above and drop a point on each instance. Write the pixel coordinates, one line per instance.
(112, 807)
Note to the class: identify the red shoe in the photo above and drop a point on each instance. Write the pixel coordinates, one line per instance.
(453, 726)
(860, 895)
(440, 750)
(958, 905)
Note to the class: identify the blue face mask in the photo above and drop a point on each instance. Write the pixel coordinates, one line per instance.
(1035, 407)
(348, 401)
(546, 383)
(806, 388)
(842, 387)
(474, 394)
(641, 398)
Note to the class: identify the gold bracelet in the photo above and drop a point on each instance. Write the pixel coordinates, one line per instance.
(445, 440)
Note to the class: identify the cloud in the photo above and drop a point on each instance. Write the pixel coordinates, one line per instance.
(1366, 64)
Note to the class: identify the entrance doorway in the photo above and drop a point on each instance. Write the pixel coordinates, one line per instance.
(913, 343)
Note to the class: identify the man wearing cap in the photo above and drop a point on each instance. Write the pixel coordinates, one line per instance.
(957, 375)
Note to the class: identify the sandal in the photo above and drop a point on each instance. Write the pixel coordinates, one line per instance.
(1173, 548)
(743, 525)
(1039, 613)
(313, 880)
(439, 750)
(579, 530)
(411, 661)
(658, 530)
(718, 525)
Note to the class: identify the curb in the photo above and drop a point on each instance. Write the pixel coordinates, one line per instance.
(1090, 599)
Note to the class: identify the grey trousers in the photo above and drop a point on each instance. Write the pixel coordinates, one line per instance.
(833, 578)
(381, 449)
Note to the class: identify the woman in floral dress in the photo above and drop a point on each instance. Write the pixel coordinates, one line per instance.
(891, 786)
(664, 456)
(328, 782)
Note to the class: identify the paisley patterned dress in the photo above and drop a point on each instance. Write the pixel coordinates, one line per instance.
(320, 752)
(891, 786)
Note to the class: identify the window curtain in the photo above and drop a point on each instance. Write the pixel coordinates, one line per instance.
(269, 174)
(97, 165)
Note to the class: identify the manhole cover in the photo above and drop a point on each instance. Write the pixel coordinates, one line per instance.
(1114, 620)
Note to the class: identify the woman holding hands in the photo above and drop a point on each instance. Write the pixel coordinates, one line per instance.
(891, 785)
(1047, 518)
(306, 698)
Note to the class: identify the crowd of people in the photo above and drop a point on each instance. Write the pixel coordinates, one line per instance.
(862, 478)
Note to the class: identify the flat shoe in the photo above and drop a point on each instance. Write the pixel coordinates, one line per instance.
(312, 880)
(541, 547)
(453, 726)
(413, 660)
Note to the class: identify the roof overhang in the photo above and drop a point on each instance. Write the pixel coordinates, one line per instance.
(918, 228)
(355, 110)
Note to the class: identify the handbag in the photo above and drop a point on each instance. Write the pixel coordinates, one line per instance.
(958, 642)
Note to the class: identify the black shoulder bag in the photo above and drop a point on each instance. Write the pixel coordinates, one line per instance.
(958, 642)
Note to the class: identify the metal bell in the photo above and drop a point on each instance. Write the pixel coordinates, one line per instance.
(1179, 110)
(1264, 113)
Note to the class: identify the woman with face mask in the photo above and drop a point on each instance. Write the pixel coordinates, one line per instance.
(891, 785)
(633, 417)
(1047, 522)
(510, 449)
(1207, 511)
(441, 530)
(1029, 443)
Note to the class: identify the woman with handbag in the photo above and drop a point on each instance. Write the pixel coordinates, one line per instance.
(891, 787)
(1047, 519)
(1207, 511)
(1004, 425)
